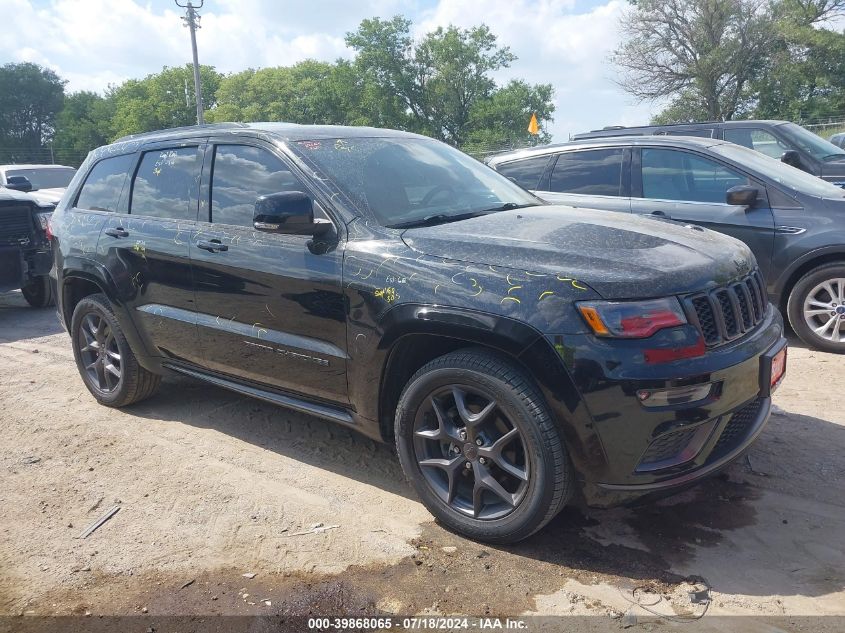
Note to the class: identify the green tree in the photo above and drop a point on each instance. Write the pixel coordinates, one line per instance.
(307, 92)
(441, 86)
(502, 119)
(82, 125)
(162, 100)
(30, 99)
(703, 52)
(804, 78)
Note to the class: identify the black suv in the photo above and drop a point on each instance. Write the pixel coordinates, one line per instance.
(25, 257)
(793, 222)
(388, 282)
(788, 142)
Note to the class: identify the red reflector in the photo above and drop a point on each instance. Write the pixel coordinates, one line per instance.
(778, 367)
(674, 353)
(648, 324)
(49, 229)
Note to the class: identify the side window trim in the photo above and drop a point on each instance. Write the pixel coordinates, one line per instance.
(200, 143)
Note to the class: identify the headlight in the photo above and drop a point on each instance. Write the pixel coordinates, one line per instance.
(44, 219)
(631, 319)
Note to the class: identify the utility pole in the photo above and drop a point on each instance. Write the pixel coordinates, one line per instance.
(192, 21)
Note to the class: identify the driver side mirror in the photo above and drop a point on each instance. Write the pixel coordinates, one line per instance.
(791, 158)
(741, 195)
(287, 212)
(18, 183)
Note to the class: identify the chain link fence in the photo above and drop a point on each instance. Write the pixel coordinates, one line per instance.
(42, 156)
(828, 128)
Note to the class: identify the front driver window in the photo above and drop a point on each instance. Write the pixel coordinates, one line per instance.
(674, 175)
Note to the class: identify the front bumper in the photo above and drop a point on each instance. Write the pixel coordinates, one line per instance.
(653, 450)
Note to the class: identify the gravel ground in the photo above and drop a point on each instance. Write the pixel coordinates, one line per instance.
(212, 486)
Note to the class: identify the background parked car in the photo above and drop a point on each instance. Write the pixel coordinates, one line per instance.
(25, 254)
(794, 223)
(838, 139)
(786, 141)
(45, 183)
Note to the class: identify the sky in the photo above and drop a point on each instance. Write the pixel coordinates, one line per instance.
(94, 43)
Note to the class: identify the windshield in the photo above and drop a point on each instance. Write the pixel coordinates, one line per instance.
(814, 145)
(779, 172)
(406, 181)
(45, 178)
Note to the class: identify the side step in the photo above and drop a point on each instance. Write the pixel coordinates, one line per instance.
(320, 410)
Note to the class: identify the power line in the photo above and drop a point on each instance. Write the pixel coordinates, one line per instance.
(192, 21)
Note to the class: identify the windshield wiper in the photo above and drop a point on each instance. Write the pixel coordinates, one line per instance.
(437, 218)
(443, 218)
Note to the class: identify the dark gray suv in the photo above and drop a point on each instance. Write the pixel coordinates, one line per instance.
(794, 222)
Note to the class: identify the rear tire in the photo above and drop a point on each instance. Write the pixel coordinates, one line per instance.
(476, 408)
(39, 292)
(816, 308)
(105, 361)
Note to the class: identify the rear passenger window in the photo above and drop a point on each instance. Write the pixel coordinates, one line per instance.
(167, 184)
(242, 174)
(102, 188)
(592, 172)
(526, 173)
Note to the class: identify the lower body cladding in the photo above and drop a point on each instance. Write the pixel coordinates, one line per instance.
(665, 425)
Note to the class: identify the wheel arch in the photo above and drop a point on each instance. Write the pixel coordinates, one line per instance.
(416, 334)
(803, 265)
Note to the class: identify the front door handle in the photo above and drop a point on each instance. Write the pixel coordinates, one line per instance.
(661, 214)
(212, 246)
(117, 231)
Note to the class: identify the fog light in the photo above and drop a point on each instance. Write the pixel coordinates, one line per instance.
(678, 395)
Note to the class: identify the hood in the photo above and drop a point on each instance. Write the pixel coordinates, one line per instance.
(621, 256)
(48, 196)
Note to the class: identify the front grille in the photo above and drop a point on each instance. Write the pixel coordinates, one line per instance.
(737, 429)
(15, 225)
(728, 312)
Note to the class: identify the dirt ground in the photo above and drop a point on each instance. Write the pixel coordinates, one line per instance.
(212, 486)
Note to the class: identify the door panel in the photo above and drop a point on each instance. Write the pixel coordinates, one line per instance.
(688, 187)
(146, 250)
(270, 306)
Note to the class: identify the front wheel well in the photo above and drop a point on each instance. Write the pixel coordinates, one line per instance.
(803, 269)
(410, 353)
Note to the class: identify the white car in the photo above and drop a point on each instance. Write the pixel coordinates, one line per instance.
(45, 183)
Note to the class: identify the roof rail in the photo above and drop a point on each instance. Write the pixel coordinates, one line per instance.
(185, 128)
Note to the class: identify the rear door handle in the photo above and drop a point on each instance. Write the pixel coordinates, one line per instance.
(661, 214)
(117, 231)
(212, 246)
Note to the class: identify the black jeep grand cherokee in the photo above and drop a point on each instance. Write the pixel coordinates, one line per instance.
(388, 282)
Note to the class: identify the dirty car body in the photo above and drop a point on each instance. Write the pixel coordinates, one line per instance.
(420, 252)
(25, 255)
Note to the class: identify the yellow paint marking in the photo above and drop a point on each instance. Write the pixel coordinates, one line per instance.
(510, 299)
(544, 294)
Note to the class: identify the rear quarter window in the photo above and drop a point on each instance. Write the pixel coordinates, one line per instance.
(104, 184)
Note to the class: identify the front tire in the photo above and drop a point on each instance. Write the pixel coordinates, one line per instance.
(105, 361)
(39, 292)
(476, 441)
(816, 308)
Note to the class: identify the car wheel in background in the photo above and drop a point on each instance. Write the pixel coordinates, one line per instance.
(478, 444)
(39, 292)
(816, 308)
(105, 361)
